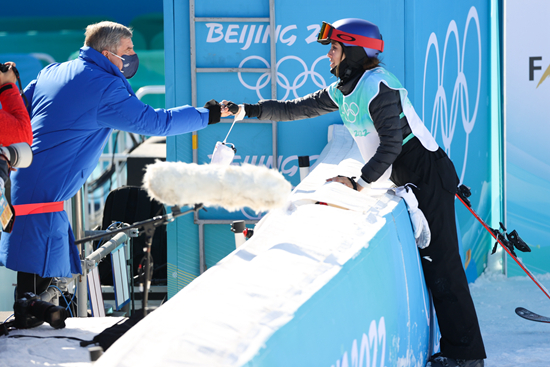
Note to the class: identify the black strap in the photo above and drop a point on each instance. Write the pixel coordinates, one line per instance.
(8, 86)
(48, 337)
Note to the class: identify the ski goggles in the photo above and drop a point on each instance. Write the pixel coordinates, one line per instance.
(328, 33)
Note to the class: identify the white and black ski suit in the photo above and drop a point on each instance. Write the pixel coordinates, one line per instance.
(436, 181)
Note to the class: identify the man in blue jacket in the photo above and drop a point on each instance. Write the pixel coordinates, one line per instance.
(74, 106)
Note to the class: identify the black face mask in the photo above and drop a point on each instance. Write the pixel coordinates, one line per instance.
(130, 64)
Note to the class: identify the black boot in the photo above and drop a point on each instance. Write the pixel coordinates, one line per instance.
(438, 360)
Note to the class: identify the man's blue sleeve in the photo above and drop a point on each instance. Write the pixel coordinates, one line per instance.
(124, 111)
(29, 92)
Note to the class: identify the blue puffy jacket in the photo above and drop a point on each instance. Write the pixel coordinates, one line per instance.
(74, 107)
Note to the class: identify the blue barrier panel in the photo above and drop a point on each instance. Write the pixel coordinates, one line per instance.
(316, 285)
(376, 310)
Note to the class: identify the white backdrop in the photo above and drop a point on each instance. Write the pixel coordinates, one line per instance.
(527, 127)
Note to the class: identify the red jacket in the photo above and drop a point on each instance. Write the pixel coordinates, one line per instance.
(15, 124)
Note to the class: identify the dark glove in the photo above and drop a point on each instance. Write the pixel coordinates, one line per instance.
(215, 111)
(232, 107)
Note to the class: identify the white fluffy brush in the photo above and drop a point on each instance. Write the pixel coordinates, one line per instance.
(230, 187)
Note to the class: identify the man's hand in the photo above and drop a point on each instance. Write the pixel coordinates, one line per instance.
(8, 76)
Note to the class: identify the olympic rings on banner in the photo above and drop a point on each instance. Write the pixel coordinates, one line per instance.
(282, 80)
(440, 113)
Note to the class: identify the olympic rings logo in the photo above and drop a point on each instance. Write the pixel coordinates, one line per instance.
(440, 113)
(282, 80)
(351, 111)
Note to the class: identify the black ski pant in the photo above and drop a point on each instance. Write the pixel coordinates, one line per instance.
(436, 181)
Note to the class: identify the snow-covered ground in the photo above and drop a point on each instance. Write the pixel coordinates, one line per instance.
(510, 341)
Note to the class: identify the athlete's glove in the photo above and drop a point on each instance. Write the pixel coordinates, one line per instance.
(422, 234)
(232, 107)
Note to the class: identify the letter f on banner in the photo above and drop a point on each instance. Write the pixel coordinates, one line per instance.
(532, 66)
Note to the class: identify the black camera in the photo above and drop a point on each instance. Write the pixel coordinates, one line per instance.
(5, 67)
(30, 311)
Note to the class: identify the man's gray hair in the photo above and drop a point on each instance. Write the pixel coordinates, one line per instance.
(106, 36)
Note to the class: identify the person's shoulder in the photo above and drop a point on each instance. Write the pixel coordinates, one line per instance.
(383, 73)
(87, 69)
(377, 75)
(92, 77)
(368, 79)
(48, 68)
(89, 54)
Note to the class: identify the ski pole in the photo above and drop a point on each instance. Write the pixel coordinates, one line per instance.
(462, 194)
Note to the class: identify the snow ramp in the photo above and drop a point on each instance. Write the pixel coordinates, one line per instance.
(316, 285)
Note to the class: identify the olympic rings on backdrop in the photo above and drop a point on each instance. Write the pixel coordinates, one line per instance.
(282, 80)
(440, 112)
